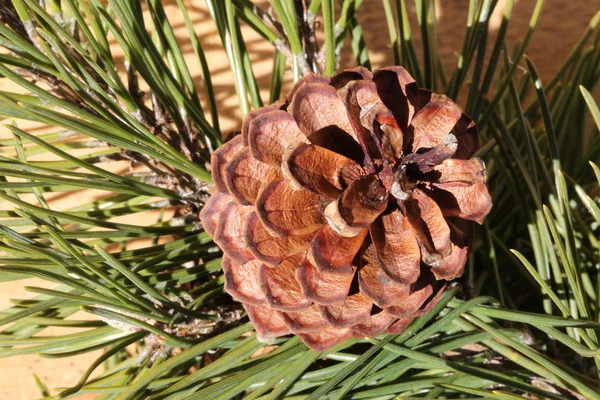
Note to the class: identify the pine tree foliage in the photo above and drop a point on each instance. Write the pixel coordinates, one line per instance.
(522, 322)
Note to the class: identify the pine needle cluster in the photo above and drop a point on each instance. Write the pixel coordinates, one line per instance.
(523, 321)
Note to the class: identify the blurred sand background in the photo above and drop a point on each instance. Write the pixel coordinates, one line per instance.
(560, 27)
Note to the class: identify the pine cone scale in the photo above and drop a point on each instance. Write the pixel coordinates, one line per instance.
(376, 285)
(245, 175)
(431, 229)
(270, 134)
(307, 320)
(433, 122)
(243, 281)
(245, 134)
(468, 172)
(421, 291)
(375, 325)
(356, 309)
(220, 160)
(319, 170)
(284, 211)
(462, 201)
(332, 252)
(270, 249)
(323, 287)
(316, 107)
(399, 92)
(230, 233)
(397, 248)
(326, 337)
(467, 136)
(461, 233)
(211, 212)
(266, 322)
(282, 290)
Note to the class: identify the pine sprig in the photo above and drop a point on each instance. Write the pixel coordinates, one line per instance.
(538, 251)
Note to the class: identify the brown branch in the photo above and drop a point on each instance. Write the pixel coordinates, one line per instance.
(306, 30)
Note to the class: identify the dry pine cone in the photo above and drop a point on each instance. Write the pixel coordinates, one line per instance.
(344, 209)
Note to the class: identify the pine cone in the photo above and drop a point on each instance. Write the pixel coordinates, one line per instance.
(343, 210)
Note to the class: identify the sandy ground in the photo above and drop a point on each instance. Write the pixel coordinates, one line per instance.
(560, 27)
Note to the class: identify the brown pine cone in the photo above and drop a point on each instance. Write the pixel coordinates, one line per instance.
(344, 209)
